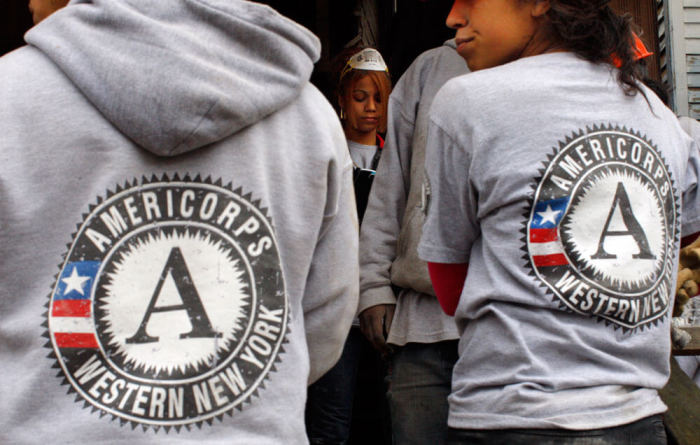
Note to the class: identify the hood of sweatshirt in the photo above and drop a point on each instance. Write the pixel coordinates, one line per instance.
(177, 75)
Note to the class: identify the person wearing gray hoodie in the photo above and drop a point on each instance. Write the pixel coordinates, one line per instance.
(423, 339)
(169, 271)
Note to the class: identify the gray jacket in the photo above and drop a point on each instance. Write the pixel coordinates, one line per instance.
(169, 271)
(394, 218)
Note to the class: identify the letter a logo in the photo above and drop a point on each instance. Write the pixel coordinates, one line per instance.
(177, 269)
(610, 247)
(634, 229)
(145, 320)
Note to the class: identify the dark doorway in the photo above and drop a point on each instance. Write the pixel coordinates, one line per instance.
(15, 20)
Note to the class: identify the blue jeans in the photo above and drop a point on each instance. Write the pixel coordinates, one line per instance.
(420, 381)
(648, 431)
(329, 399)
(354, 384)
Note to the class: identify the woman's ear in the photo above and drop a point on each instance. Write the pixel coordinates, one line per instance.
(540, 8)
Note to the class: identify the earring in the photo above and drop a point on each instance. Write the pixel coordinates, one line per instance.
(342, 114)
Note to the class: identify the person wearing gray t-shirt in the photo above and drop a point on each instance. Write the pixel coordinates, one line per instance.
(559, 181)
(363, 91)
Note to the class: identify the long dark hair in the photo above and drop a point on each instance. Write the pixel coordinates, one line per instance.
(591, 29)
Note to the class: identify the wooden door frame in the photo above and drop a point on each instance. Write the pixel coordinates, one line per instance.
(644, 16)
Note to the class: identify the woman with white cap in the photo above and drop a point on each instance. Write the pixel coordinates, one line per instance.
(362, 94)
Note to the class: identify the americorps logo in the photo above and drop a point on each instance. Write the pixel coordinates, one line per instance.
(601, 230)
(170, 308)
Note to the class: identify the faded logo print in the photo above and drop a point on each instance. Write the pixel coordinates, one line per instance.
(170, 307)
(602, 227)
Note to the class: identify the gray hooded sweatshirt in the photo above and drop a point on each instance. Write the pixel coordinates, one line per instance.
(169, 271)
(392, 225)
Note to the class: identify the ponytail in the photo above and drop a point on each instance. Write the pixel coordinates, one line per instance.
(591, 29)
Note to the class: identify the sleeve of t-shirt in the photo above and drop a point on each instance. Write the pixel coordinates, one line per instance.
(691, 194)
(451, 224)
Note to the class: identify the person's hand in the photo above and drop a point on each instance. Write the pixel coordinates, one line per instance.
(375, 323)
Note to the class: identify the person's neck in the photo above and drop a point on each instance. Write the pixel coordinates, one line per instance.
(369, 138)
(541, 42)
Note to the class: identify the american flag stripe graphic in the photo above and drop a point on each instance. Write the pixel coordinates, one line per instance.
(70, 319)
(545, 245)
(75, 340)
(71, 308)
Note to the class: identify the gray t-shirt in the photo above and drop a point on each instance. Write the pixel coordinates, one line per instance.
(361, 154)
(565, 196)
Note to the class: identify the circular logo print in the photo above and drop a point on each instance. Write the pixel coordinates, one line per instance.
(603, 225)
(170, 308)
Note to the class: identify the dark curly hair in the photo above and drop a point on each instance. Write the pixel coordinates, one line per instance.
(591, 29)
